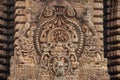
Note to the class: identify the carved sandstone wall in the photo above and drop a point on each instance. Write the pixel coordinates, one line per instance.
(112, 34)
(74, 39)
(6, 36)
(54, 41)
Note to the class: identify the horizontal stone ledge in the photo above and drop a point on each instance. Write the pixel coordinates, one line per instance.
(4, 1)
(11, 26)
(20, 4)
(3, 8)
(113, 46)
(19, 12)
(98, 19)
(3, 67)
(6, 47)
(113, 24)
(3, 76)
(99, 28)
(115, 77)
(114, 12)
(3, 22)
(8, 4)
(3, 37)
(4, 61)
(7, 40)
(3, 15)
(113, 32)
(3, 53)
(112, 17)
(115, 38)
(114, 69)
(98, 5)
(98, 1)
(113, 54)
(20, 19)
(113, 62)
(100, 35)
(11, 9)
(4, 31)
(3, 45)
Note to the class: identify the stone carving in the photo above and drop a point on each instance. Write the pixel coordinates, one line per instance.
(87, 20)
(25, 47)
(24, 44)
(63, 45)
(48, 11)
(59, 40)
(70, 11)
(59, 65)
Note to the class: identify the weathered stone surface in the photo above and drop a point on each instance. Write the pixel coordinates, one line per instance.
(59, 38)
(20, 19)
(112, 40)
(20, 4)
(6, 39)
(19, 12)
(54, 40)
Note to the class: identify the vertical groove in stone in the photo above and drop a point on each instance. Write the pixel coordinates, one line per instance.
(6, 36)
(112, 37)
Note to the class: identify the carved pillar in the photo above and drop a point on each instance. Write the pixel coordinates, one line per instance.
(112, 41)
(58, 39)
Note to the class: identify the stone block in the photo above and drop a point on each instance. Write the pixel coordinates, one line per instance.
(20, 4)
(20, 19)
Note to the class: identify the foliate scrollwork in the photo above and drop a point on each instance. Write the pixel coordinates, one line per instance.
(59, 41)
(65, 37)
(70, 11)
(24, 47)
(49, 11)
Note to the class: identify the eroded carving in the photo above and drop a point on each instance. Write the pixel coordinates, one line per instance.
(59, 40)
(24, 44)
(65, 40)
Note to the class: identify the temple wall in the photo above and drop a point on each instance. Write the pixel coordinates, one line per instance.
(39, 36)
(6, 36)
(112, 37)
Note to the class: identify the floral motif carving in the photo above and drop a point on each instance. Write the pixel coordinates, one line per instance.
(24, 47)
(56, 40)
(59, 40)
